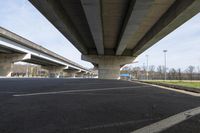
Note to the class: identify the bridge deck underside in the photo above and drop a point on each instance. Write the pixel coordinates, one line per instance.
(128, 27)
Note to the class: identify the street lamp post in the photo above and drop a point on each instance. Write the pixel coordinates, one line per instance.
(147, 71)
(165, 56)
(198, 68)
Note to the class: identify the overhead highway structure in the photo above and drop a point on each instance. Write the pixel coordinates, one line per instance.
(111, 33)
(14, 48)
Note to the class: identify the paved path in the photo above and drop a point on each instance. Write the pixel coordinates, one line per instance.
(86, 105)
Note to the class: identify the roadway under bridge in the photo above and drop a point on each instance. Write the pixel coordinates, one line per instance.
(94, 106)
(111, 33)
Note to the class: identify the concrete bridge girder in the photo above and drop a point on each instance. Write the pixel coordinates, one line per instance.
(118, 28)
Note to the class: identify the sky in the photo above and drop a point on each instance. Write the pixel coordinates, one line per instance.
(22, 18)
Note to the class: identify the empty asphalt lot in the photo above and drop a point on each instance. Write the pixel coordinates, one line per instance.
(88, 106)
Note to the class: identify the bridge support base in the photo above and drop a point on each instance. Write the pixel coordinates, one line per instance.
(6, 67)
(7, 61)
(69, 74)
(73, 73)
(54, 71)
(108, 66)
(81, 74)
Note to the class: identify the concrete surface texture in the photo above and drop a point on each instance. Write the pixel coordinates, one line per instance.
(7, 60)
(87, 106)
(108, 66)
(5, 67)
(70, 73)
(116, 27)
(54, 71)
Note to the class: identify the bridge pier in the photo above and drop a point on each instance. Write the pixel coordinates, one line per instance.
(7, 61)
(81, 74)
(6, 65)
(71, 72)
(108, 66)
(87, 75)
(90, 75)
(54, 71)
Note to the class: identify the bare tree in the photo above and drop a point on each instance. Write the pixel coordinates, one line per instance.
(179, 74)
(160, 70)
(173, 74)
(136, 72)
(151, 71)
(190, 71)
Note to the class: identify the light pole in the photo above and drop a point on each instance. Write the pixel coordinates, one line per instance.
(165, 56)
(27, 70)
(147, 71)
(198, 68)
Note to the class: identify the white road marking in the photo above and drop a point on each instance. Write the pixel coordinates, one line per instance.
(102, 94)
(92, 83)
(168, 122)
(68, 91)
(171, 89)
(83, 83)
(118, 124)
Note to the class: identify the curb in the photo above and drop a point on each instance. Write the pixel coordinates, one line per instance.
(196, 90)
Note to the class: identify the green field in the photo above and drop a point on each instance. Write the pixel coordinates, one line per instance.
(194, 84)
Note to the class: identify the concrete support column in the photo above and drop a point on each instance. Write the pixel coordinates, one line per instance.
(108, 66)
(87, 75)
(54, 71)
(6, 65)
(7, 61)
(71, 73)
(80, 74)
(90, 75)
(108, 71)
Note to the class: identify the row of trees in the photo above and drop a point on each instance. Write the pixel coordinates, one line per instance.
(191, 73)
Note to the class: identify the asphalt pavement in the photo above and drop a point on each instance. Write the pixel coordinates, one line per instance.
(191, 125)
(87, 106)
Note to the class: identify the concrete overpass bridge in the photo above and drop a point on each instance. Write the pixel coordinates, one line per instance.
(111, 33)
(14, 48)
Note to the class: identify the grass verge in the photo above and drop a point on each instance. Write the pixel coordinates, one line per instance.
(184, 83)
